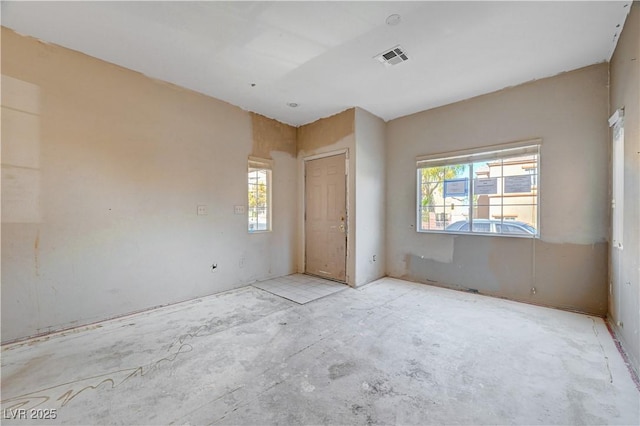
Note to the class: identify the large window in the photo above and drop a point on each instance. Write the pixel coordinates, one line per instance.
(259, 191)
(494, 190)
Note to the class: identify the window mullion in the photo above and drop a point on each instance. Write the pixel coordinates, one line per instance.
(471, 203)
(502, 198)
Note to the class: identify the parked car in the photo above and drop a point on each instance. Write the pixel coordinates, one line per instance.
(493, 226)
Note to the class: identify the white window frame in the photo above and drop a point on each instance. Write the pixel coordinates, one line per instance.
(616, 122)
(468, 158)
(256, 165)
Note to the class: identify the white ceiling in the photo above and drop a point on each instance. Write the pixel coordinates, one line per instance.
(320, 54)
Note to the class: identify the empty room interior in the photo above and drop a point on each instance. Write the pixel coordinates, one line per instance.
(266, 212)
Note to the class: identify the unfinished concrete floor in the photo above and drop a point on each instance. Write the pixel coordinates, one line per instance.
(391, 352)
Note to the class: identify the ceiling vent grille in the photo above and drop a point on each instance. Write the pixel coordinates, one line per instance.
(392, 56)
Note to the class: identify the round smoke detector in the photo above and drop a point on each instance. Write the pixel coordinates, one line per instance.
(393, 19)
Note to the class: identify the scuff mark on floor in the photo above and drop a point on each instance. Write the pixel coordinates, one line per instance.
(606, 358)
(66, 392)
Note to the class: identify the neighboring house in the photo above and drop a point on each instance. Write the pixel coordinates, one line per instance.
(521, 206)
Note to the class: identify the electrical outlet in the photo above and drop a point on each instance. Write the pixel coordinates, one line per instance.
(203, 210)
(238, 209)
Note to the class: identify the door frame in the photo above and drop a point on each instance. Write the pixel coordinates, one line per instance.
(345, 152)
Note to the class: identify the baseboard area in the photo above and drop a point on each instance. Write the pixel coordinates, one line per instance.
(625, 355)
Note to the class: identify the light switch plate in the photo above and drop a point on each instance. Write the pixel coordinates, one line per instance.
(238, 209)
(203, 210)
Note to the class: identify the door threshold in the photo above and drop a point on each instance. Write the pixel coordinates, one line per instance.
(326, 278)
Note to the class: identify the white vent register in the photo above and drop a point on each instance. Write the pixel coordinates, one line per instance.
(393, 56)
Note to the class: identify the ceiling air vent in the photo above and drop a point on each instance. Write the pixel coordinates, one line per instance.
(393, 56)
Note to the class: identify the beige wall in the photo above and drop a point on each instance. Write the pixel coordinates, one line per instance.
(624, 301)
(102, 170)
(568, 264)
(370, 197)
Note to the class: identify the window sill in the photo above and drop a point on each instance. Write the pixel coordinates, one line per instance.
(483, 234)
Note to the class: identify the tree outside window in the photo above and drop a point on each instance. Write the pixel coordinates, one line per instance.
(259, 212)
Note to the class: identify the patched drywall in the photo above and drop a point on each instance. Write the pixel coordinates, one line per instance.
(624, 300)
(103, 171)
(527, 270)
(567, 265)
(313, 137)
(271, 135)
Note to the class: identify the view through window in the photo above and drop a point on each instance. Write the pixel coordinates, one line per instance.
(259, 191)
(492, 191)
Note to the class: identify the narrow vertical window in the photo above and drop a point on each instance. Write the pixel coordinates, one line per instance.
(617, 156)
(259, 195)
